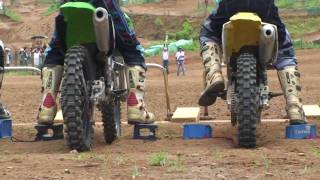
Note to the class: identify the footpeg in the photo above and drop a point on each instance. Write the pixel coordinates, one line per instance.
(145, 131)
(49, 132)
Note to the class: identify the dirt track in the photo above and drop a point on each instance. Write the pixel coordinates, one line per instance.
(275, 157)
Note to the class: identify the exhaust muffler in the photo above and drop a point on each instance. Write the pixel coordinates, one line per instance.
(268, 44)
(103, 30)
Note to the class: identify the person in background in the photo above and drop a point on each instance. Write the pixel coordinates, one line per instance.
(180, 58)
(36, 58)
(29, 56)
(23, 57)
(1, 6)
(165, 58)
(8, 56)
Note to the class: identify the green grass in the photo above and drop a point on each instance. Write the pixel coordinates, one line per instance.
(177, 163)
(104, 157)
(12, 15)
(159, 159)
(135, 172)
(316, 150)
(300, 44)
(46, 1)
(300, 26)
(52, 9)
(297, 4)
(267, 162)
(20, 73)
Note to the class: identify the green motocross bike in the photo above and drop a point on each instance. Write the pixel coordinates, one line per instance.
(93, 75)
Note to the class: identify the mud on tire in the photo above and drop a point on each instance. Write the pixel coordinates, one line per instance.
(248, 100)
(76, 109)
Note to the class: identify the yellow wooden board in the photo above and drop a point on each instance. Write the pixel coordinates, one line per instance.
(59, 117)
(186, 114)
(311, 110)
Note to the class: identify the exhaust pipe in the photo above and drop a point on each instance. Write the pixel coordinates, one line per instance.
(102, 30)
(268, 44)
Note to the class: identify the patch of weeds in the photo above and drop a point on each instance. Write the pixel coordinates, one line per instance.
(177, 163)
(316, 150)
(255, 163)
(267, 162)
(217, 154)
(135, 172)
(306, 170)
(158, 22)
(52, 8)
(92, 156)
(159, 159)
(19, 73)
(12, 15)
(120, 160)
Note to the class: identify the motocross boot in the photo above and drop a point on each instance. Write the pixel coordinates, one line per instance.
(290, 82)
(214, 82)
(51, 79)
(137, 113)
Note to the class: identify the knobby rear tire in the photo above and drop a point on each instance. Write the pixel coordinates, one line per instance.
(77, 110)
(248, 100)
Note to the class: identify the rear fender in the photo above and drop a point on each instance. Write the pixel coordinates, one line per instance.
(79, 24)
(242, 30)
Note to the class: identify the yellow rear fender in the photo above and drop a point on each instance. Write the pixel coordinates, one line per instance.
(247, 30)
(242, 30)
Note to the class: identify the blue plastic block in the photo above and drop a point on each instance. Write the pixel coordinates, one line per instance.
(197, 131)
(5, 128)
(302, 131)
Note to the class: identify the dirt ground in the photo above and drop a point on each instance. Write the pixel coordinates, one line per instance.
(216, 158)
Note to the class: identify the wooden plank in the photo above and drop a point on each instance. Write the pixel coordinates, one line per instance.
(186, 114)
(311, 110)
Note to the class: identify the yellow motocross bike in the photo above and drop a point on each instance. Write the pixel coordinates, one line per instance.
(250, 47)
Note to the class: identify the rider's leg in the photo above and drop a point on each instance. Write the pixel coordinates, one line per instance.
(51, 76)
(214, 82)
(3, 112)
(129, 46)
(51, 79)
(289, 77)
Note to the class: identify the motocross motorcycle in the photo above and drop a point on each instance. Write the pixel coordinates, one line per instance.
(250, 47)
(93, 75)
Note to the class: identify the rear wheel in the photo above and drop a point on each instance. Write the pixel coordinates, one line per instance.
(248, 100)
(111, 115)
(76, 107)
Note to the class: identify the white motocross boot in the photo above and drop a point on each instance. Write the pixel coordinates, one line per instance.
(214, 81)
(137, 112)
(51, 79)
(290, 82)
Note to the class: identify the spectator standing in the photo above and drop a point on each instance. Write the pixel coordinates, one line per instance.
(165, 58)
(23, 57)
(29, 57)
(8, 56)
(36, 58)
(180, 58)
(1, 7)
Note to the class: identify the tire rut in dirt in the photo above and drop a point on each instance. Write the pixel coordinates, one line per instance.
(248, 103)
(73, 100)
